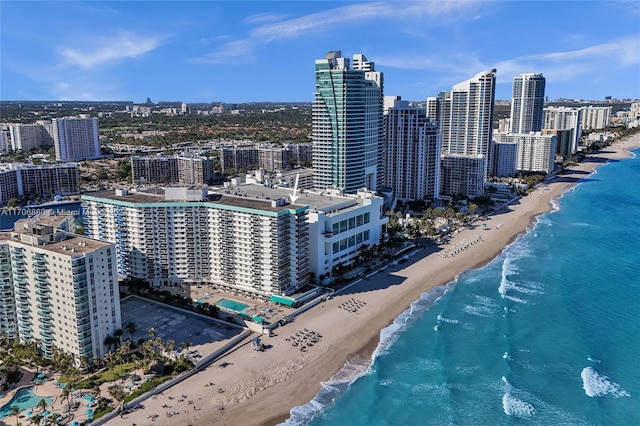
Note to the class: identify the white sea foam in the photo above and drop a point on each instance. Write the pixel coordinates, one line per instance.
(597, 361)
(515, 299)
(506, 356)
(598, 385)
(513, 402)
(447, 320)
(483, 307)
(516, 407)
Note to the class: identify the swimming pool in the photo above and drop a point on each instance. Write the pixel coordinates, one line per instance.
(232, 305)
(24, 399)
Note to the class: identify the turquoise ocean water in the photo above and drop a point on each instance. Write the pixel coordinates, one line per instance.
(548, 333)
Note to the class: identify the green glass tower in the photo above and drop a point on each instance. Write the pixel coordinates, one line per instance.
(348, 124)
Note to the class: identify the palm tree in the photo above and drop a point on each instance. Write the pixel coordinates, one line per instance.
(65, 395)
(131, 328)
(42, 405)
(184, 346)
(151, 332)
(15, 411)
(35, 419)
(117, 334)
(108, 342)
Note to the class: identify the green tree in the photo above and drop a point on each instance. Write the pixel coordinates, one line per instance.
(15, 411)
(131, 328)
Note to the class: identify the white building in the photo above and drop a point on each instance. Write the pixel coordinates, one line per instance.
(412, 145)
(182, 235)
(65, 288)
(249, 239)
(25, 137)
(596, 118)
(76, 139)
(464, 116)
(38, 181)
(536, 152)
(561, 118)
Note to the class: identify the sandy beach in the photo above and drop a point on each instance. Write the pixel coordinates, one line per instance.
(260, 388)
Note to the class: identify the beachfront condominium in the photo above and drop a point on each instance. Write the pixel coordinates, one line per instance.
(561, 118)
(347, 123)
(180, 235)
(595, 118)
(464, 118)
(38, 182)
(535, 151)
(76, 138)
(527, 103)
(58, 288)
(412, 145)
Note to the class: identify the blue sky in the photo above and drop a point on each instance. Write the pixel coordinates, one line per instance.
(244, 51)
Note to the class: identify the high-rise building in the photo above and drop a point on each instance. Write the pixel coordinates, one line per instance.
(25, 137)
(564, 141)
(179, 235)
(536, 151)
(348, 124)
(527, 103)
(505, 158)
(76, 138)
(64, 291)
(561, 118)
(412, 145)
(595, 118)
(464, 117)
(38, 181)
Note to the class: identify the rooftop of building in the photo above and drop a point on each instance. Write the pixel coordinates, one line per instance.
(48, 231)
(250, 196)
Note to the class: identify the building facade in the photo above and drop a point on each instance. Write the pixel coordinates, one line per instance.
(38, 181)
(464, 117)
(76, 139)
(561, 118)
(348, 124)
(25, 137)
(536, 151)
(505, 158)
(527, 103)
(595, 118)
(179, 235)
(412, 145)
(65, 287)
(462, 175)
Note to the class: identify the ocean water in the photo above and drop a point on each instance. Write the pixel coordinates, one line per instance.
(548, 333)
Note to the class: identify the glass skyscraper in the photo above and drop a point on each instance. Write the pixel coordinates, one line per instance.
(527, 103)
(348, 124)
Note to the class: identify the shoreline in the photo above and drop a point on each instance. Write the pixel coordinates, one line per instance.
(260, 388)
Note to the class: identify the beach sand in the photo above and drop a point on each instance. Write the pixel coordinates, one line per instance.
(247, 387)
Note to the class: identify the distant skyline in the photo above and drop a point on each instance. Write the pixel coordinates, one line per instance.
(264, 51)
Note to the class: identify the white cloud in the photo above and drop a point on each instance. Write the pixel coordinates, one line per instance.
(262, 18)
(328, 19)
(103, 50)
(565, 65)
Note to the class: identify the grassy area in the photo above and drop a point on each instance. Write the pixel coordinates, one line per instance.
(109, 375)
(146, 387)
